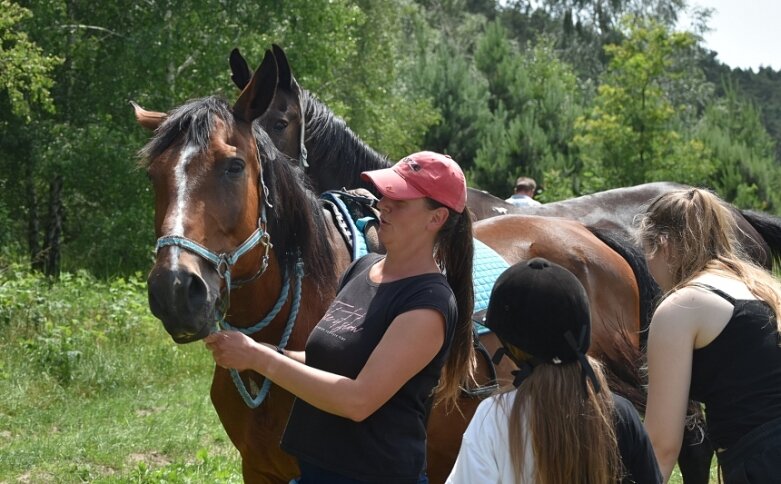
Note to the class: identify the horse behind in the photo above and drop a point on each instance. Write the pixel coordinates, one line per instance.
(237, 223)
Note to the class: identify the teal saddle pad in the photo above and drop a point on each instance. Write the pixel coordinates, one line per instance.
(486, 267)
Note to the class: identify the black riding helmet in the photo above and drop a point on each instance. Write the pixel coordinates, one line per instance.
(541, 309)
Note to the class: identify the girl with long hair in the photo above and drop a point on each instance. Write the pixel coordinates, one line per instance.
(714, 338)
(396, 337)
(558, 423)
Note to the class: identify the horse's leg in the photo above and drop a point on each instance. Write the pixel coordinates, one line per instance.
(695, 458)
(255, 433)
(445, 429)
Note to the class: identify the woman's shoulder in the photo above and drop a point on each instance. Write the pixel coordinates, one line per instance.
(686, 300)
(704, 291)
(732, 287)
(693, 311)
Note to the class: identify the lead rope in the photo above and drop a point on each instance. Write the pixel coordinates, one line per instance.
(295, 305)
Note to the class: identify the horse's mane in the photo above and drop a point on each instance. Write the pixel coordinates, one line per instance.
(295, 220)
(340, 155)
(648, 288)
(631, 381)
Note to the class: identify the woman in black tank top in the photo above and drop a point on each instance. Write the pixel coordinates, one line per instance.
(714, 338)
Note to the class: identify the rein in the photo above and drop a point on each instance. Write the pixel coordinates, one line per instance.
(291, 321)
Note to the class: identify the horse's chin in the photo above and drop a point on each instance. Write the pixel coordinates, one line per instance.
(182, 336)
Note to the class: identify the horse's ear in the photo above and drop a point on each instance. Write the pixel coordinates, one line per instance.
(257, 96)
(286, 80)
(240, 73)
(148, 119)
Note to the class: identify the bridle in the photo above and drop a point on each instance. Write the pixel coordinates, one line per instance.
(302, 157)
(223, 263)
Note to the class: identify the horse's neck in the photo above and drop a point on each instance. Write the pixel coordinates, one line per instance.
(336, 155)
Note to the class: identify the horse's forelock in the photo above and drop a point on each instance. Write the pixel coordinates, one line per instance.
(195, 120)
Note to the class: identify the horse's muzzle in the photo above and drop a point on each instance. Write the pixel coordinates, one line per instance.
(183, 301)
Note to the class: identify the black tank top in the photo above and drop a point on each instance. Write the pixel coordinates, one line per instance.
(389, 446)
(738, 374)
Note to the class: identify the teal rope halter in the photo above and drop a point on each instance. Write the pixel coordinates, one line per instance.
(223, 262)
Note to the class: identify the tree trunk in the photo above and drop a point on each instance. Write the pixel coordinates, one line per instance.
(33, 226)
(54, 228)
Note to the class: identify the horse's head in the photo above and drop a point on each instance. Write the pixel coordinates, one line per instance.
(284, 119)
(205, 165)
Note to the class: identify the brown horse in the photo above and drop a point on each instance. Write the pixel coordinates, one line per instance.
(333, 156)
(236, 222)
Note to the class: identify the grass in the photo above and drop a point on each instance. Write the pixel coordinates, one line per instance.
(92, 389)
(676, 478)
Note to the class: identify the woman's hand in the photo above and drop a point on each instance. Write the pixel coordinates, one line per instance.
(232, 349)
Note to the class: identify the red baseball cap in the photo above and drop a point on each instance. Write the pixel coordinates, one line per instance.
(423, 174)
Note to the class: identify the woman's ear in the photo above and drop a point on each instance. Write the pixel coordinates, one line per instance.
(664, 246)
(439, 217)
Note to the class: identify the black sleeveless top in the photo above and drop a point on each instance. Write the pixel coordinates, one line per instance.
(389, 445)
(738, 374)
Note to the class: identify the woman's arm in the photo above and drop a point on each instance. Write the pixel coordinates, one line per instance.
(299, 356)
(670, 347)
(410, 343)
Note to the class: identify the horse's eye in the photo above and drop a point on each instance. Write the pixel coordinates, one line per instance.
(280, 125)
(235, 167)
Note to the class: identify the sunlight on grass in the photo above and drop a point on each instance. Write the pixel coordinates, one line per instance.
(676, 477)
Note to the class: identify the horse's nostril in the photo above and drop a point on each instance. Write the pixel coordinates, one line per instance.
(196, 293)
(177, 296)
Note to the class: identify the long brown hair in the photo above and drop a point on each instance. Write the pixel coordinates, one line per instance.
(572, 434)
(699, 231)
(454, 251)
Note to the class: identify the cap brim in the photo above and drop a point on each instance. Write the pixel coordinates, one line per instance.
(392, 185)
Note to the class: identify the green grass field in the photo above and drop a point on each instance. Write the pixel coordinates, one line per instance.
(92, 389)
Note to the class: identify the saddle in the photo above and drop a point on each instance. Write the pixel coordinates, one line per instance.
(356, 217)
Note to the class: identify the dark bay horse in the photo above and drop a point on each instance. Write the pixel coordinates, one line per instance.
(616, 209)
(237, 222)
(333, 156)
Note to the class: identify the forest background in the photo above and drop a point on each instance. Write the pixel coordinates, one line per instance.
(583, 95)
